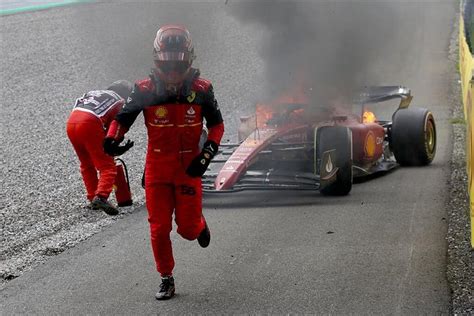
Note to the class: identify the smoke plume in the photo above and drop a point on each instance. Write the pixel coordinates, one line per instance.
(331, 48)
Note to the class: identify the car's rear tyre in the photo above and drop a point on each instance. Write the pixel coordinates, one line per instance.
(338, 141)
(413, 136)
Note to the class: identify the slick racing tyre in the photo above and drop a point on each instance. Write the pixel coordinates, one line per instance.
(413, 136)
(334, 159)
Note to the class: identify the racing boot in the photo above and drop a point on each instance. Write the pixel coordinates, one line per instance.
(204, 237)
(90, 206)
(101, 203)
(166, 288)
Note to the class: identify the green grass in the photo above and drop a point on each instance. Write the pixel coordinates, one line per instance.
(458, 120)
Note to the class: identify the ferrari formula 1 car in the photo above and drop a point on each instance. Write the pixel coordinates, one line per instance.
(286, 145)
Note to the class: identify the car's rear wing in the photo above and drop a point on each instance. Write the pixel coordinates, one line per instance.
(384, 93)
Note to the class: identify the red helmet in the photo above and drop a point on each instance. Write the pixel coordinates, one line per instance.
(173, 54)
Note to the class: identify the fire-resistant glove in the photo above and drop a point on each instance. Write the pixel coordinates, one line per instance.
(199, 164)
(112, 147)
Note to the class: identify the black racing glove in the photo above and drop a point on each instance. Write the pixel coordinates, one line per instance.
(112, 147)
(199, 164)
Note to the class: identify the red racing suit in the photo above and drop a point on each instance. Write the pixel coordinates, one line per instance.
(86, 128)
(174, 125)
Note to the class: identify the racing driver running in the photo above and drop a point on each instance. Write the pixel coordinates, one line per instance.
(174, 101)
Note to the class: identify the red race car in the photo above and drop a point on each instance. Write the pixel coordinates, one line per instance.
(290, 145)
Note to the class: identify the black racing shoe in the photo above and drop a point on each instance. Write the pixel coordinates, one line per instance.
(104, 205)
(204, 237)
(166, 288)
(90, 206)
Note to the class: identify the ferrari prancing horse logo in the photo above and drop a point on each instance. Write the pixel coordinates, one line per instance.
(191, 97)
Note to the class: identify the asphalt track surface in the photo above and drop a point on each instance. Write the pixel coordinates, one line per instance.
(380, 250)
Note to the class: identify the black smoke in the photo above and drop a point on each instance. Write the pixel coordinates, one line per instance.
(333, 48)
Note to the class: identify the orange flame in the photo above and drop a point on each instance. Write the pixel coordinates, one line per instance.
(264, 113)
(368, 117)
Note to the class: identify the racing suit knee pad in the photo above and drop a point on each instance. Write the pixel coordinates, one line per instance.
(189, 232)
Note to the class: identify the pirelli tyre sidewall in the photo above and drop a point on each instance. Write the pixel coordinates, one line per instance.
(334, 148)
(413, 136)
